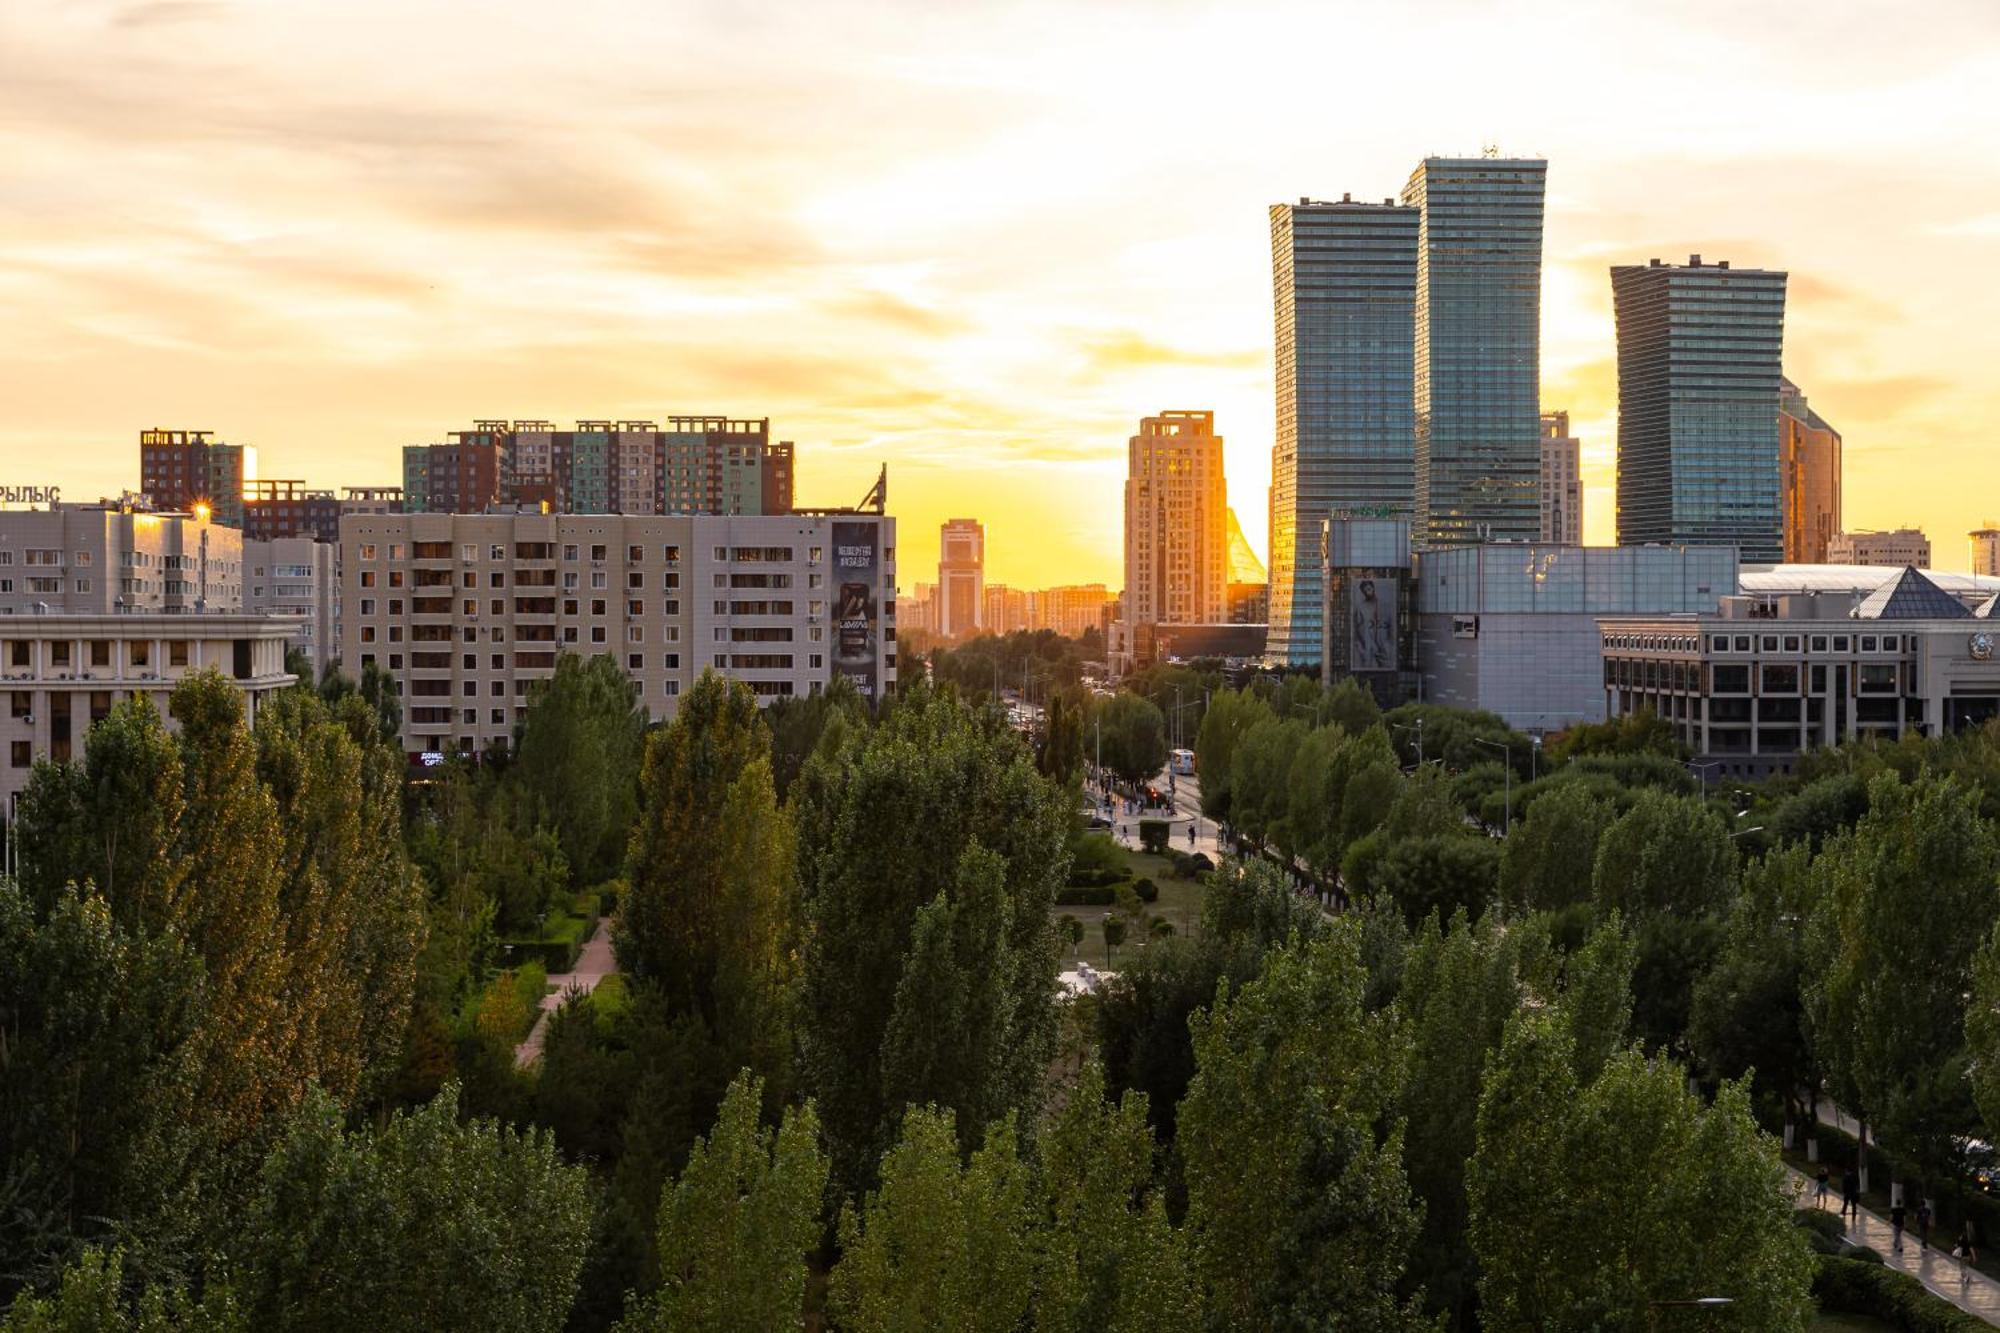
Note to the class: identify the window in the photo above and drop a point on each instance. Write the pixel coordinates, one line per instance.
(1840, 643)
(177, 653)
(1743, 643)
(569, 550)
(814, 554)
(367, 578)
(142, 653)
(635, 661)
(497, 579)
(100, 652)
(20, 754)
(1868, 643)
(722, 554)
(1731, 679)
(368, 550)
(673, 688)
(597, 606)
(468, 552)
(597, 634)
(597, 551)
(471, 662)
(635, 554)
(496, 552)
(1819, 643)
(1791, 643)
(597, 579)
(499, 716)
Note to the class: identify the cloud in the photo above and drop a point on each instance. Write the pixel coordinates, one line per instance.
(1886, 397)
(1984, 226)
(1128, 350)
(163, 13)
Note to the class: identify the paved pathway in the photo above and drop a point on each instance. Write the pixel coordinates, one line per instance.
(1967, 1288)
(593, 964)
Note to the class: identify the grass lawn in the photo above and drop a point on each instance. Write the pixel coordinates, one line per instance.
(1179, 903)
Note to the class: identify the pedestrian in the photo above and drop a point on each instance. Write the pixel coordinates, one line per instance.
(1190, 837)
(1819, 1186)
(1850, 1194)
(1923, 1223)
(1967, 1255)
(1896, 1215)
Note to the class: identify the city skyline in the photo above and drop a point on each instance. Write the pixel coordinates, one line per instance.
(913, 248)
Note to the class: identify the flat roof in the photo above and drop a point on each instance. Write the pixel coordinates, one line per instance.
(1857, 579)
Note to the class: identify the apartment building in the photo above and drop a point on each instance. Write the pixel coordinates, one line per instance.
(179, 469)
(1901, 546)
(468, 611)
(111, 558)
(297, 578)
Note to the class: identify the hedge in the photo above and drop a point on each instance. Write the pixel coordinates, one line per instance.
(1146, 890)
(1853, 1286)
(1096, 877)
(1086, 895)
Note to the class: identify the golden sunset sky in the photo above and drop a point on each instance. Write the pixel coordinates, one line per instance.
(975, 241)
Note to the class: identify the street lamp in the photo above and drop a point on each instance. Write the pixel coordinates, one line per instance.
(1507, 769)
(1417, 727)
(1701, 771)
(1745, 832)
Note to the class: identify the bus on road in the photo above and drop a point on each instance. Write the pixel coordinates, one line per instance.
(1181, 762)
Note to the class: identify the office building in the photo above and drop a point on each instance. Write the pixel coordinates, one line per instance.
(960, 600)
(1562, 482)
(1003, 610)
(1069, 610)
(1699, 348)
(62, 671)
(1902, 546)
(116, 558)
(1809, 476)
(1767, 675)
(180, 469)
(1986, 550)
(468, 611)
(297, 578)
(1344, 283)
(1176, 530)
(1477, 369)
(1513, 628)
(1369, 608)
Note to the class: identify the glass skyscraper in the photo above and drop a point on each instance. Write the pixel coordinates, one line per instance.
(1478, 349)
(1699, 353)
(1344, 282)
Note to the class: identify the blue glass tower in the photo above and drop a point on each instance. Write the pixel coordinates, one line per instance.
(1478, 349)
(1344, 284)
(1699, 354)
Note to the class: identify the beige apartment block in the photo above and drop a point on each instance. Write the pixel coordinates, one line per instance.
(1901, 546)
(295, 577)
(1176, 522)
(103, 559)
(467, 612)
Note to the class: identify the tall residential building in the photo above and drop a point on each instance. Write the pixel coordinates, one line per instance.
(1562, 482)
(1902, 546)
(1003, 610)
(1478, 348)
(179, 469)
(296, 577)
(113, 559)
(1809, 473)
(1069, 609)
(1699, 348)
(960, 600)
(468, 611)
(1176, 529)
(1986, 550)
(1344, 281)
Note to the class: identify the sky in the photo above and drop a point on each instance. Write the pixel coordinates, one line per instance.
(974, 241)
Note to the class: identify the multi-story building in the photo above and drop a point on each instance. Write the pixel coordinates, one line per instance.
(1477, 372)
(468, 611)
(1562, 482)
(1764, 676)
(464, 477)
(289, 508)
(62, 671)
(1069, 610)
(112, 558)
(179, 469)
(1902, 546)
(1176, 525)
(1986, 550)
(1003, 610)
(297, 578)
(1699, 349)
(960, 600)
(1809, 475)
(1344, 281)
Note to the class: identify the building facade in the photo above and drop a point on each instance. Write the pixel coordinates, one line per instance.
(1344, 283)
(1562, 482)
(1513, 628)
(1176, 529)
(1369, 605)
(1699, 350)
(960, 599)
(179, 469)
(1477, 367)
(467, 611)
(60, 672)
(1809, 475)
(1986, 550)
(297, 578)
(109, 559)
(1895, 548)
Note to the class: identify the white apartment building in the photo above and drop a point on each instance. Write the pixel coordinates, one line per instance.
(108, 558)
(468, 611)
(61, 672)
(297, 577)
(1562, 482)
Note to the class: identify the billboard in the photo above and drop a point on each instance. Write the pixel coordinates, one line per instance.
(856, 623)
(1371, 643)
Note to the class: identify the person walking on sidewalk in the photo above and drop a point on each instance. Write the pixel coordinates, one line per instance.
(1923, 1223)
(1967, 1255)
(1896, 1215)
(1850, 1194)
(1819, 1186)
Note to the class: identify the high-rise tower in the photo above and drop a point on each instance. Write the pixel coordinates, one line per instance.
(961, 588)
(1699, 350)
(1344, 283)
(1176, 525)
(1478, 348)
(1809, 472)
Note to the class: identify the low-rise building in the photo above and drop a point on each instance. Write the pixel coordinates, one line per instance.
(1891, 550)
(468, 611)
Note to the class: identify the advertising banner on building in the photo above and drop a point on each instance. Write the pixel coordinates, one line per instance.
(1372, 639)
(856, 625)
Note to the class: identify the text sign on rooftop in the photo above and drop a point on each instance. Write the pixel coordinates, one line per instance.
(30, 495)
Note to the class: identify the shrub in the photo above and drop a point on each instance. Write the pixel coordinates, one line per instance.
(1153, 835)
(1146, 890)
(1855, 1286)
(1093, 878)
(1086, 895)
(1820, 1222)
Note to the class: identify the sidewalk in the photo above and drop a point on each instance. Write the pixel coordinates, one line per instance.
(593, 964)
(1977, 1294)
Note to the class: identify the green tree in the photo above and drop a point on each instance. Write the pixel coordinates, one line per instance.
(92, 1298)
(1548, 859)
(1590, 1202)
(431, 1222)
(737, 1227)
(1229, 717)
(1114, 935)
(801, 724)
(1442, 873)
(1305, 1221)
(1351, 707)
(939, 1244)
(1133, 733)
(1259, 780)
(377, 691)
(1060, 754)
(1072, 932)
(577, 755)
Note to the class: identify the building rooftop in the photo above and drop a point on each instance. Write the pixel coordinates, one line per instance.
(1911, 596)
(1860, 580)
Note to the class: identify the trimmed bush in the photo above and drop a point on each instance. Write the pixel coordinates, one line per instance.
(1854, 1286)
(1093, 877)
(1821, 1222)
(1086, 895)
(1146, 890)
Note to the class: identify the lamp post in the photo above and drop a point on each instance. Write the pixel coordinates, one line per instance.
(1701, 770)
(1507, 771)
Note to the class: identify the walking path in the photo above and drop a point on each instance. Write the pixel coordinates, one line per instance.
(1967, 1288)
(593, 964)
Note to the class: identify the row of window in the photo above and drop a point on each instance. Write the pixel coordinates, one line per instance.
(1766, 643)
(20, 652)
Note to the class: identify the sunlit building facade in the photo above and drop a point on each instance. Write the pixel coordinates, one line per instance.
(1176, 525)
(1344, 279)
(179, 469)
(1809, 471)
(960, 600)
(1562, 482)
(1986, 550)
(1894, 548)
(1699, 351)
(1477, 360)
